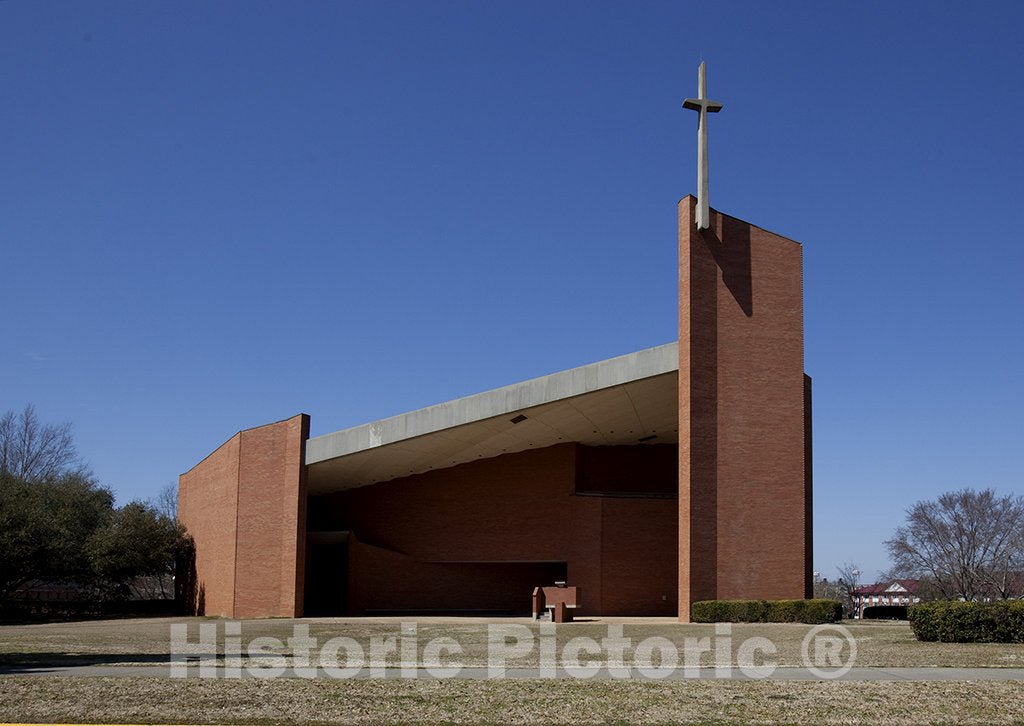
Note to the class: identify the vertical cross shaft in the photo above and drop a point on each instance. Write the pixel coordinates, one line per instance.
(703, 106)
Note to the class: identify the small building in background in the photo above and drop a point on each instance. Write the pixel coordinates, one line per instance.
(885, 600)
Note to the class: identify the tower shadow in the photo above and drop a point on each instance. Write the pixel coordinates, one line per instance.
(733, 258)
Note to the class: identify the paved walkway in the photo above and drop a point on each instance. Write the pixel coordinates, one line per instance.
(478, 673)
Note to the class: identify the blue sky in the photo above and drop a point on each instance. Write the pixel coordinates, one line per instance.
(216, 215)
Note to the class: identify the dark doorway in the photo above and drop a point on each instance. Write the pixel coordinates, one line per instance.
(460, 588)
(326, 574)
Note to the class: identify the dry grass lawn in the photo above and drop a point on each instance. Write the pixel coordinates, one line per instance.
(147, 700)
(144, 700)
(117, 641)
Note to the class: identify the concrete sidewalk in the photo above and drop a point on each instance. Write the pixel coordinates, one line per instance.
(480, 673)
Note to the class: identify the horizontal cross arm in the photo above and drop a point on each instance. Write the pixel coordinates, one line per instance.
(696, 104)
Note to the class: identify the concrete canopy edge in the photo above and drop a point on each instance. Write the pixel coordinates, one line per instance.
(497, 402)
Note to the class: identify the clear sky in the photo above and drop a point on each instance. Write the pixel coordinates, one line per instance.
(214, 215)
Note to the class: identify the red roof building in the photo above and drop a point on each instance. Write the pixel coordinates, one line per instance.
(889, 593)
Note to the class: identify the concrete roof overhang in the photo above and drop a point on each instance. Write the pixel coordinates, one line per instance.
(630, 399)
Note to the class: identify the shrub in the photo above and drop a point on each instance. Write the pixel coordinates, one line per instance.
(767, 611)
(969, 622)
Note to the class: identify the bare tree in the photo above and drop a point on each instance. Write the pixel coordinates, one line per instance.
(827, 590)
(848, 581)
(967, 544)
(32, 451)
(166, 501)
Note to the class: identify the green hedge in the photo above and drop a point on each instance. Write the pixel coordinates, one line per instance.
(767, 611)
(969, 622)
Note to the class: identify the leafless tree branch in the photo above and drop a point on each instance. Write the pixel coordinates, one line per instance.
(967, 544)
(33, 451)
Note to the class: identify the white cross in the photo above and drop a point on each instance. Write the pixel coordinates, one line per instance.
(703, 106)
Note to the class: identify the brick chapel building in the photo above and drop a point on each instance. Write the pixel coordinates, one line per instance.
(649, 481)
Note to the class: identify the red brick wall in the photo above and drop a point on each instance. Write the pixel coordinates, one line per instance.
(638, 556)
(244, 505)
(742, 494)
(207, 506)
(416, 538)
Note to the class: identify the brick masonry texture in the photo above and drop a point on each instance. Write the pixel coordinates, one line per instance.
(245, 506)
(480, 536)
(744, 484)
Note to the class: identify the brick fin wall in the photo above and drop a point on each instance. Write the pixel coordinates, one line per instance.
(244, 506)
